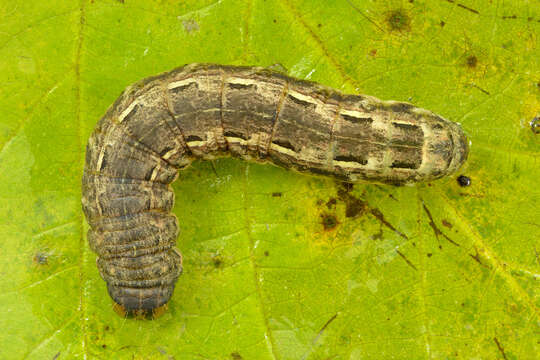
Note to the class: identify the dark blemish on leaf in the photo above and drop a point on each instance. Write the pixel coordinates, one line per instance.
(353, 206)
(274, 21)
(106, 328)
(379, 216)
(471, 61)
(236, 356)
(379, 235)
(217, 261)
(319, 25)
(56, 356)
(329, 221)
(464, 7)
(535, 125)
(442, 23)
(276, 194)
(476, 258)
(398, 20)
(320, 202)
(331, 203)
(324, 327)
(392, 197)
(373, 52)
(446, 223)
(479, 88)
(501, 349)
(429, 255)
(406, 260)
(436, 230)
(509, 17)
(121, 1)
(104, 346)
(190, 25)
(464, 181)
(347, 187)
(266, 253)
(41, 258)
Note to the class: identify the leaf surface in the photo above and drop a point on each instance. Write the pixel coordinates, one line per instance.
(279, 265)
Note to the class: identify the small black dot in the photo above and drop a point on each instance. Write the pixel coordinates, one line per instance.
(464, 180)
(535, 125)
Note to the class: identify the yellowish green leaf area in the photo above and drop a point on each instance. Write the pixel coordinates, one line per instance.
(279, 265)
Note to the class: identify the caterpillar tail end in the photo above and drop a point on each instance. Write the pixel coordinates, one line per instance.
(140, 302)
(145, 302)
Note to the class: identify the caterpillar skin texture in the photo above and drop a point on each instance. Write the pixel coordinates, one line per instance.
(161, 124)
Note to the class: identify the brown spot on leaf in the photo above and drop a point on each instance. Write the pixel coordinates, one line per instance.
(236, 356)
(353, 206)
(276, 194)
(471, 61)
(329, 221)
(41, 258)
(398, 20)
(217, 261)
(446, 223)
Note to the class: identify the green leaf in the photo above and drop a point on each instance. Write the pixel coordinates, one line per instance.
(279, 265)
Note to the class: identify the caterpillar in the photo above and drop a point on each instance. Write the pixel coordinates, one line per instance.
(202, 111)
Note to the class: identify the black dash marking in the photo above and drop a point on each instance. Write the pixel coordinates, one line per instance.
(464, 181)
(149, 174)
(285, 144)
(300, 102)
(276, 194)
(191, 138)
(407, 127)
(350, 158)
(235, 135)
(403, 165)
(356, 120)
(406, 260)
(103, 161)
(241, 86)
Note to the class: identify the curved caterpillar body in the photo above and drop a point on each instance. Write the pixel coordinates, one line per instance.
(162, 123)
